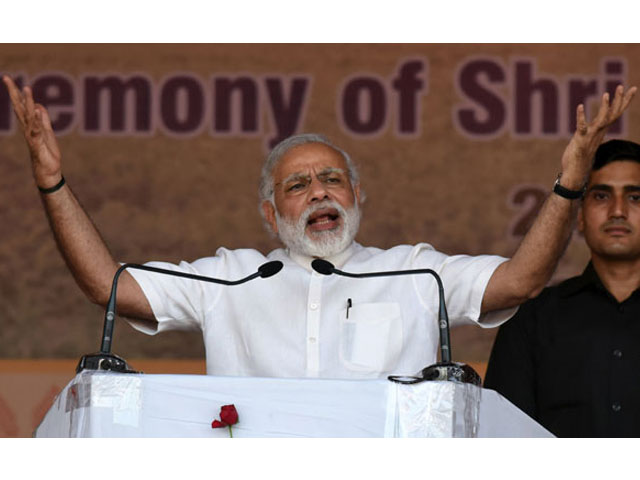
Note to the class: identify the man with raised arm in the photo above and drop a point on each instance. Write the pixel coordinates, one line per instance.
(570, 358)
(299, 323)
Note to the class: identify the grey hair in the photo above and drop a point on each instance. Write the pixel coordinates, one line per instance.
(265, 191)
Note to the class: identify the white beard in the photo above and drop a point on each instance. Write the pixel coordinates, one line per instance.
(324, 243)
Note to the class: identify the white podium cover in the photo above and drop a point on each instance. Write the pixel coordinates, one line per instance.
(108, 404)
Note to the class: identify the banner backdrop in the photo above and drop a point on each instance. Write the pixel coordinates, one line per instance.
(458, 145)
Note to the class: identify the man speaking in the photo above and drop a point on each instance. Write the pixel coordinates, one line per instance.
(300, 323)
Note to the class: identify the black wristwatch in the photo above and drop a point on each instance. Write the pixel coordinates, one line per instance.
(565, 192)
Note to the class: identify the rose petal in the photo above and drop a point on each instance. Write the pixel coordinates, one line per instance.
(229, 414)
(218, 424)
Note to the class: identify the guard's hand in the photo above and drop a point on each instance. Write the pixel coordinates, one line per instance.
(578, 156)
(36, 128)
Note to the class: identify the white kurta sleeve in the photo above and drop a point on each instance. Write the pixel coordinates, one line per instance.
(177, 303)
(465, 279)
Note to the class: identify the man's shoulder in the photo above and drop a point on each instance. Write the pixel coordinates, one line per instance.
(548, 310)
(231, 253)
(546, 304)
(226, 258)
(396, 253)
(403, 249)
(562, 288)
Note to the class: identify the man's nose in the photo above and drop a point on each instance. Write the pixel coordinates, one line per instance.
(317, 191)
(618, 207)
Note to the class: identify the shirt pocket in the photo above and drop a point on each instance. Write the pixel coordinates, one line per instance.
(371, 338)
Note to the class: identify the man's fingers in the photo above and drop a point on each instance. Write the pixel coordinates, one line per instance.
(628, 97)
(581, 120)
(28, 101)
(44, 116)
(11, 87)
(33, 117)
(35, 126)
(616, 105)
(49, 135)
(20, 114)
(603, 112)
(16, 97)
(620, 103)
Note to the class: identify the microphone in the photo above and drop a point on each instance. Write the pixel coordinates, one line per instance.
(269, 269)
(104, 359)
(443, 370)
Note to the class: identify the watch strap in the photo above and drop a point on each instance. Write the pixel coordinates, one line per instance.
(565, 192)
(55, 188)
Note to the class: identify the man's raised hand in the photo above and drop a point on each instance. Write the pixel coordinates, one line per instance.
(36, 128)
(578, 155)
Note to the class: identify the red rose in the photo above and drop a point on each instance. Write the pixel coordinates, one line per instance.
(229, 414)
(228, 417)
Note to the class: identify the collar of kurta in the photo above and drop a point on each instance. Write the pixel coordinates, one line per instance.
(338, 259)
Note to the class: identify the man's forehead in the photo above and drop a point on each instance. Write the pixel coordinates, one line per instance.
(617, 173)
(302, 159)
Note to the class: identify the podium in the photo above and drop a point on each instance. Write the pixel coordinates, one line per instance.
(109, 404)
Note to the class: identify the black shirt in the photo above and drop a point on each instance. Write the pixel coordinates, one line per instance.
(570, 359)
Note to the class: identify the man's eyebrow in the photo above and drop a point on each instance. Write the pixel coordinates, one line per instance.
(329, 170)
(306, 176)
(608, 188)
(296, 176)
(600, 186)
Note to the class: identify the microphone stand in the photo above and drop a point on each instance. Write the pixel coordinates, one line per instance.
(104, 359)
(445, 369)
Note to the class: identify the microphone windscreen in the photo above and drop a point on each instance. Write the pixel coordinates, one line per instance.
(269, 269)
(322, 266)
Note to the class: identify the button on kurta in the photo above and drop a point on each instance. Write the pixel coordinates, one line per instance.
(314, 302)
(616, 407)
(617, 353)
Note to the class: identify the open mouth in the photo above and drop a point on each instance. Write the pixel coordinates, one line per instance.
(325, 219)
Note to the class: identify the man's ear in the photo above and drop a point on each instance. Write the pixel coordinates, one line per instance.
(269, 212)
(356, 191)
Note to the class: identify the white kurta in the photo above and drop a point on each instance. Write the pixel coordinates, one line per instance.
(295, 323)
